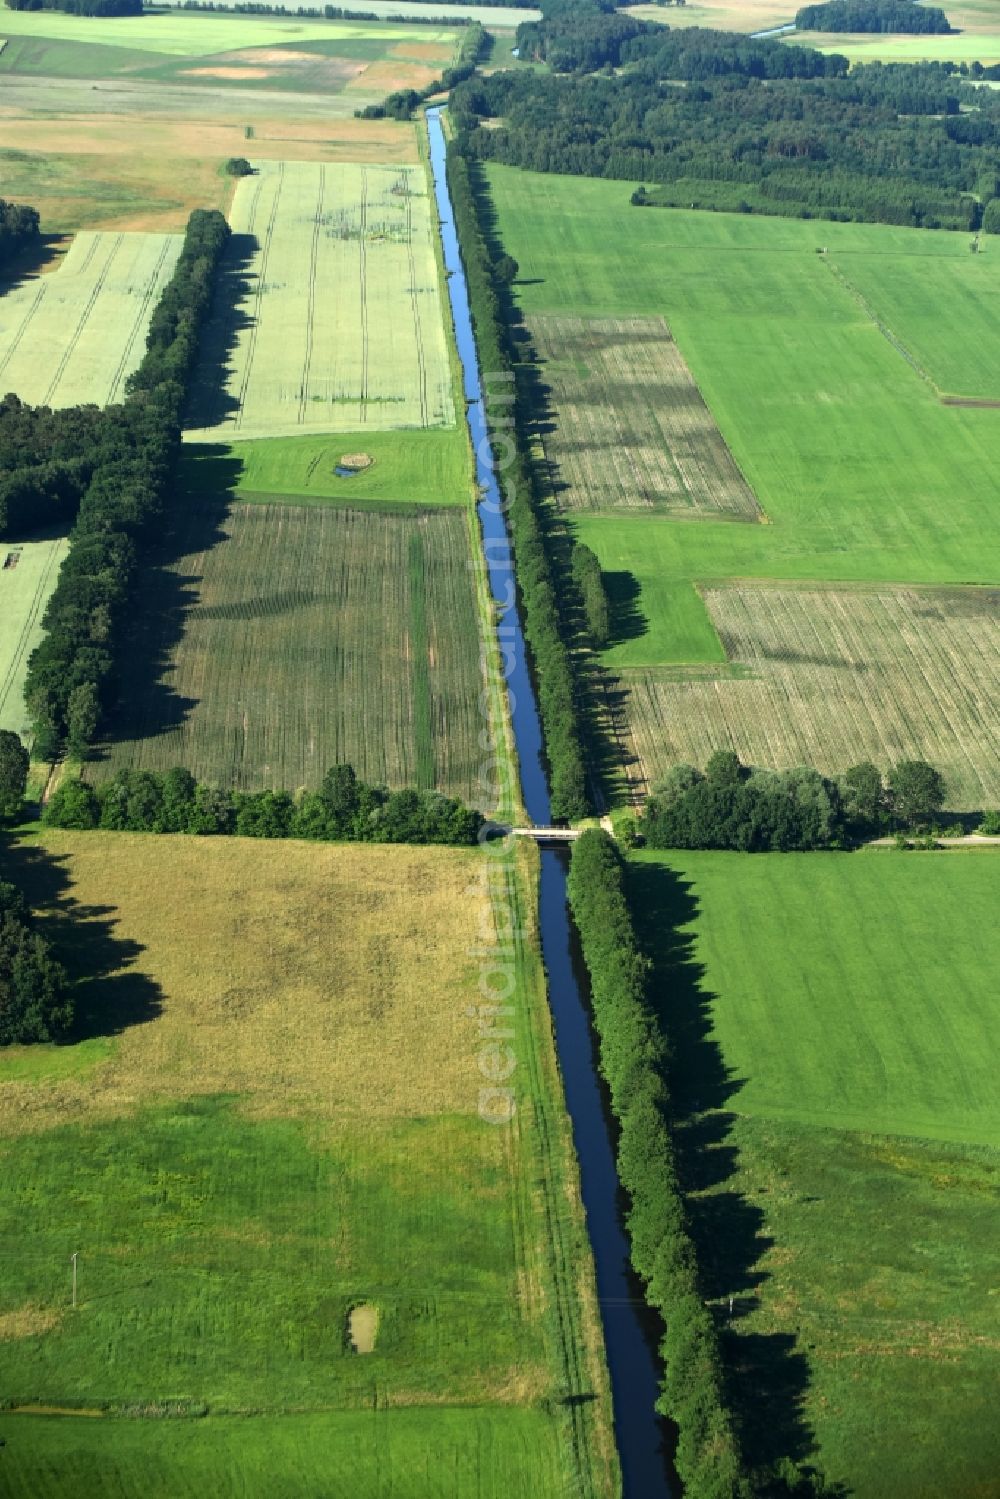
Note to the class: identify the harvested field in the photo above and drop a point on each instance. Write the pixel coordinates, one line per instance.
(73, 336)
(338, 321)
(289, 638)
(629, 427)
(833, 676)
(28, 572)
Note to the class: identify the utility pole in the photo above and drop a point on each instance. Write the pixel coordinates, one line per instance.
(73, 1260)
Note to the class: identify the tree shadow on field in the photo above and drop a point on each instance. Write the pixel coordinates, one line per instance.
(209, 402)
(148, 705)
(110, 994)
(766, 1376)
(627, 620)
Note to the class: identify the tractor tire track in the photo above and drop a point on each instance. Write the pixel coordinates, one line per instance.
(363, 263)
(311, 303)
(259, 293)
(84, 318)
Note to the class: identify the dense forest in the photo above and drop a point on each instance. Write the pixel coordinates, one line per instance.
(903, 16)
(18, 228)
(717, 120)
(344, 809)
(115, 469)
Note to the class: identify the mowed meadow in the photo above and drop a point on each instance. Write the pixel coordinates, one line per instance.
(828, 355)
(833, 1056)
(269, 1117)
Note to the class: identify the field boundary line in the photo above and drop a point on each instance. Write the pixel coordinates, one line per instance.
(890, 337)
(414, 308)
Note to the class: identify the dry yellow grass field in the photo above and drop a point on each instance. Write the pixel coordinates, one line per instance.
(123, 171)
(307, 977)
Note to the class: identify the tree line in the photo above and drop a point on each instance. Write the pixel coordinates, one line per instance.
(35, 999)
(585, 567)
(344, 809)
(121, 477)
(19, 226)
(883, 16)
(633, 1058)
(554, 675)
(81, 7)
(757, 126)
(730, 805)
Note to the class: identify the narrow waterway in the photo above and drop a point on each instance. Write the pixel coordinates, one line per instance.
(634, 1384)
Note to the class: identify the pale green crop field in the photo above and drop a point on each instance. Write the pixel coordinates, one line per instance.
(865, 47)
(24, 592)
(72, 336)
(338, 325)
(181, 34)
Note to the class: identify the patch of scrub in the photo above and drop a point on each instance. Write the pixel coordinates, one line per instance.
(27, 1321)
(362, 1327)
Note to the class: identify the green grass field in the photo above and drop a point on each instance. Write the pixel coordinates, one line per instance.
(491, 1454)
(823, 1027)
(284, 1126)
(286, 638)
(821, 412)
(824, 372)
(834, 1056)
(336, 321)
(425, 467)
(24, 592)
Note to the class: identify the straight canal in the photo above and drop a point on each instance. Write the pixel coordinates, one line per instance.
(639, 1432)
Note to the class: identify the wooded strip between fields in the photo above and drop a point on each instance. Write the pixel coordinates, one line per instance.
(632, 1062)
(555, 683)
(132, 468)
